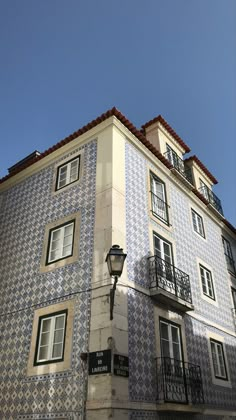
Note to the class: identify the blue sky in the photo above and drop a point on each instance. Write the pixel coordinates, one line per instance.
(63, 63)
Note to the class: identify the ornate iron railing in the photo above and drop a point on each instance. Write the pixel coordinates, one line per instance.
(166, 276)
(178, 164)
(211, 198)
(159, 208)
(178, 381)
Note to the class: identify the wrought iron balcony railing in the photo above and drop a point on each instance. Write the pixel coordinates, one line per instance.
(178, 164)
(211, 198)
(179, 382)
(160, 208)
(166, 276)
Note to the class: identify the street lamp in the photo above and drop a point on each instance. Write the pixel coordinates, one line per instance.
(115, 261)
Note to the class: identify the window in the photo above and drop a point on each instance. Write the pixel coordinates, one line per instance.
(198, 223)
(218, 359)
(170, 340)
(204, 189)
(228, 255)
(61, 242)
(207, 284)
(158, 197)
(68, 173)
(51, 337)
(164, 259)
(234, 297)
(174, 159)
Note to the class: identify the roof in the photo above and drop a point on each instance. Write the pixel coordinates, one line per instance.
(168, 128)
(137, 133)
(111, 112)
(194, 158)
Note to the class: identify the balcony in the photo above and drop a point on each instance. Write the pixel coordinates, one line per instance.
(178, 382)
(212, 199)
(169, 285)
(185, 174)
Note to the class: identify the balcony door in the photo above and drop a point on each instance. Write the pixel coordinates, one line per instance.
(159, 206)
(170, 336)
(172, 363)
(204, 189)
(164, 260)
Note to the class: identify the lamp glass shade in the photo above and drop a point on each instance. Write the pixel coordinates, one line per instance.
(115, 260)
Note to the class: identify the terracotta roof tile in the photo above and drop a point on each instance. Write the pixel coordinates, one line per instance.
(203, 168)
(137, 133)
(169, 129)
(111, 112)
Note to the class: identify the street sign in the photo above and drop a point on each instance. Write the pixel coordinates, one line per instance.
(121, 365)
(100, 362)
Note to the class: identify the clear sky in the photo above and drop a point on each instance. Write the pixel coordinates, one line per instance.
(64, 62)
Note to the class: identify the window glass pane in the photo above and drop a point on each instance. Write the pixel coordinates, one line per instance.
(43, 353)
(165, 348)
(44, 339)
(57, 350)
(46, 324)
(68, 229)
(176, 351)
(175, 334)
(59, 336)
(60, 322)
(167, 252)
(56, 234)
(164, 331)
(66, 251)
(54, 255)
(68, 240)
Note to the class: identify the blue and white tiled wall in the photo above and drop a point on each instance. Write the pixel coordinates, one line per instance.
(142, 339)
(25, 210)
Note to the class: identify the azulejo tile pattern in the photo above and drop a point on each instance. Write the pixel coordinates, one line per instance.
(188, 247)
(197, 347)
(136, 217)
(25, 210)
(142, 366)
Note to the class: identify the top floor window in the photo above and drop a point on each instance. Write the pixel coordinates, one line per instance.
(158, 196)
(228, 255)
(68, 173)
(198, 223)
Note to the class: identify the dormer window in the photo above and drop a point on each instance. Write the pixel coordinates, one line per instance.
(203, 189)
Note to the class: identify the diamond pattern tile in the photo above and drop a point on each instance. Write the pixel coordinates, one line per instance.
(24, 211)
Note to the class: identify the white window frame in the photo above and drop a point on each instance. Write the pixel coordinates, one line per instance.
(160, 208)
(198, 225)
(61, 229)
(52, 330)
(224, 382)
(170, 341)
(204, 272)
(217, 357)
(205, 188)
(68, 174)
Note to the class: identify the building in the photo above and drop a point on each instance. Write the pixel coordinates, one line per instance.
(169, 351)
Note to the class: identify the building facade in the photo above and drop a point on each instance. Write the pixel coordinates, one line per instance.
(169, 351)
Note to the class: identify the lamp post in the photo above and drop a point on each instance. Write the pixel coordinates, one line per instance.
(115, 261)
